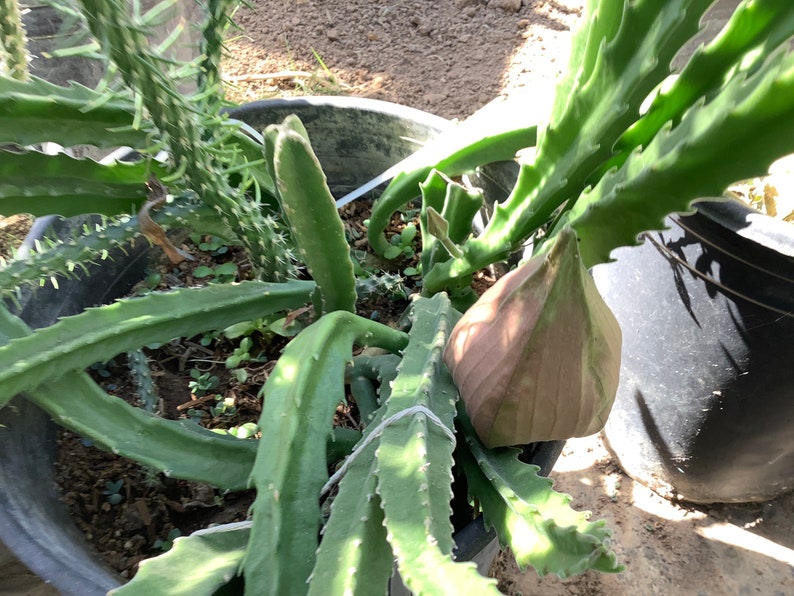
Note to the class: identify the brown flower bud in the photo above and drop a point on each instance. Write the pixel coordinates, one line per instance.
(537, 358)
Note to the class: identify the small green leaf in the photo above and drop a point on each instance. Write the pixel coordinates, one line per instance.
(226, 269)
(203, 271)
(392, 252)
(408, 234)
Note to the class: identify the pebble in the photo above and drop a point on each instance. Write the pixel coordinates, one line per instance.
(432, 98)
(506, 5)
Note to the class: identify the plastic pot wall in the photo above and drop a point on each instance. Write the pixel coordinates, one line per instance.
(355, 140)
(705, 407)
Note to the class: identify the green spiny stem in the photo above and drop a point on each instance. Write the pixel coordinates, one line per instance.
(618, 79)
(414, 460)
(618, 71)
(215, 26)
(377, 368)
(68, 186)
(13, 41)
(126, 44)
(219, 460)
(77, 403)
(434, 190)
(250, 152)
(36, 111)
(341, 443)
(450, 224)
(361, 545)
(758, 27)
(300, 398)
(461, 204)
(363, 391)
(142, 378)
(312, 215)
(74, 343)
(354, 555)
(736, 135)
(534, 521)
(64, 258)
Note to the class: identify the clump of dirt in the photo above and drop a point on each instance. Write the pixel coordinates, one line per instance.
(13, 230)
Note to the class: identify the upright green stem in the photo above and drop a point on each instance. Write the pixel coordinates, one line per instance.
(209, 75)
(13, 40)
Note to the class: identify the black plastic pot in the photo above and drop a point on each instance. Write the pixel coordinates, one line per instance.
(355, 140)
(705, 407)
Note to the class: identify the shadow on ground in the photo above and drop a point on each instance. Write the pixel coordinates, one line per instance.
(667, 548)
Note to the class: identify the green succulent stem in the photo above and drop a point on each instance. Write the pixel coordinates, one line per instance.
(414, 459)
(76, 342)
(588, 129)
(35, 111)
(215, 26)
(311, 212)
(290, 470)
(13, 40)
(534, 521)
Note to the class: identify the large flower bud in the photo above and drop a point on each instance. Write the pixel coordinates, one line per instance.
(537, 358)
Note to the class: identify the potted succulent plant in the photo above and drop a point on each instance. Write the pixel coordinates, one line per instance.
(603, 172)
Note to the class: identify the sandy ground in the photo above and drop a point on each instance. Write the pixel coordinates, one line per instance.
(667, 548)
(451, 57)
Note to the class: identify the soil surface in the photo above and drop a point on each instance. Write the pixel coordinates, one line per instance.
(450, 58)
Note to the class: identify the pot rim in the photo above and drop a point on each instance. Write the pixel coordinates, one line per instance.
(748, 223)
(346, 102)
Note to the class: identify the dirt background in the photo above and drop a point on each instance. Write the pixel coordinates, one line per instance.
(451, 57)
(448, 57)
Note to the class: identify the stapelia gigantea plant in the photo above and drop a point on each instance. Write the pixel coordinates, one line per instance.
(603, 170)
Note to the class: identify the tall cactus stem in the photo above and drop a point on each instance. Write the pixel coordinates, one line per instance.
(13, 41)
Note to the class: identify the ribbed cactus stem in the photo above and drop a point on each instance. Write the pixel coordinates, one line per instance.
(13, 41)
(58, 258)
(216, 23)
(142, 379)
(124, 40)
